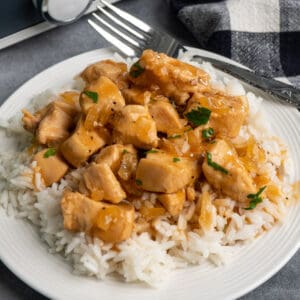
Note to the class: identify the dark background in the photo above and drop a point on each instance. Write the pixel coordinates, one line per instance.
(16, 15)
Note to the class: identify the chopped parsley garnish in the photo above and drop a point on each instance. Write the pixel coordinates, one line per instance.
(151, 151)
(50, 152)
(208, 133)
(138, 182)
(176, 159)
(255, 198)
(214, 164)
(198, 116)
(124, 151)
(136, 70)
(174, 136)
(92, 95)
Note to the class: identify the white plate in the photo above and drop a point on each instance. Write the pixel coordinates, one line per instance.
(23, 252)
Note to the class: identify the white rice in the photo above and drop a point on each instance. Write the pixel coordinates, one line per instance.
(140, 258)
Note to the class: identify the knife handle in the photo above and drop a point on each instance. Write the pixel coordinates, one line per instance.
(280, 90)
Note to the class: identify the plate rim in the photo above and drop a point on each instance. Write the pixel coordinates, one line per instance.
(43, 290)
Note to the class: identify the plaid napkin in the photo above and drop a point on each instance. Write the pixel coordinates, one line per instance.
(261, 34)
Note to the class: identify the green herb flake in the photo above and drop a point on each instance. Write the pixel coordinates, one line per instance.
(174, 136)
(50, 152)
(151, 151)
(208, 133)
(176, 159)
(198, 116)
(138, 182)
(124, 151)
(255, 198)
(136, 70)
(214, 164)
(92, 95)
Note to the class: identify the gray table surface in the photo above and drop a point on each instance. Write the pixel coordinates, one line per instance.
(24, 60)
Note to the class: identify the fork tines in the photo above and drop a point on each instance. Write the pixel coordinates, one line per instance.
(124, 31)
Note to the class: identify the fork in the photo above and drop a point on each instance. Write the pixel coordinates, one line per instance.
(131, 36)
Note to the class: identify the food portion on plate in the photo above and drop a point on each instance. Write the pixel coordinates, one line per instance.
(146, 169)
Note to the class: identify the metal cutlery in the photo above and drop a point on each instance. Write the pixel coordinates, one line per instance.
(131, 36)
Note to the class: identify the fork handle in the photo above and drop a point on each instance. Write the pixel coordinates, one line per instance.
(282, 91)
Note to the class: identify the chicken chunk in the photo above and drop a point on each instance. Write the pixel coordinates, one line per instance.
(228, 113)
(128, 166)
(134, 125)
(117, 72)
(110, 223)
(100, 183)
(112, 155)
(108, 99)
(52, 168)
(83, 143)
(238, 183)
(122, 159)
(165, 116)
(115, 223)
(31, 121)
(54, 127)
(163, 173)
(137, 96)
(72, 99)
(53, 122)
(173, 78)
(173, 203)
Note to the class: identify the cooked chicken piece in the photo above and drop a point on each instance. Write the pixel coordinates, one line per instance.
(140, 96)
(54, 127)
(105, 99)
(101, 184)
(54, 121)
(173, 203)
(228, 113)
(52, 167)
(110, 223)
(173, 78)
(186, 142)
(31, 121)
(83, 143)
(112, 155)
(115, 223)
(79, 212)
(173, 146)
(128, 165)
(117, 72)
(133, 125)
(71, 98)
(195, 139)
(165, 116)
(164, 173)
(122, 159)
(238, 183)
(151, 213)
(131, 188)
(136, 96)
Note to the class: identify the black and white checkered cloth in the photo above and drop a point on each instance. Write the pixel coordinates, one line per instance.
(261, 34)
